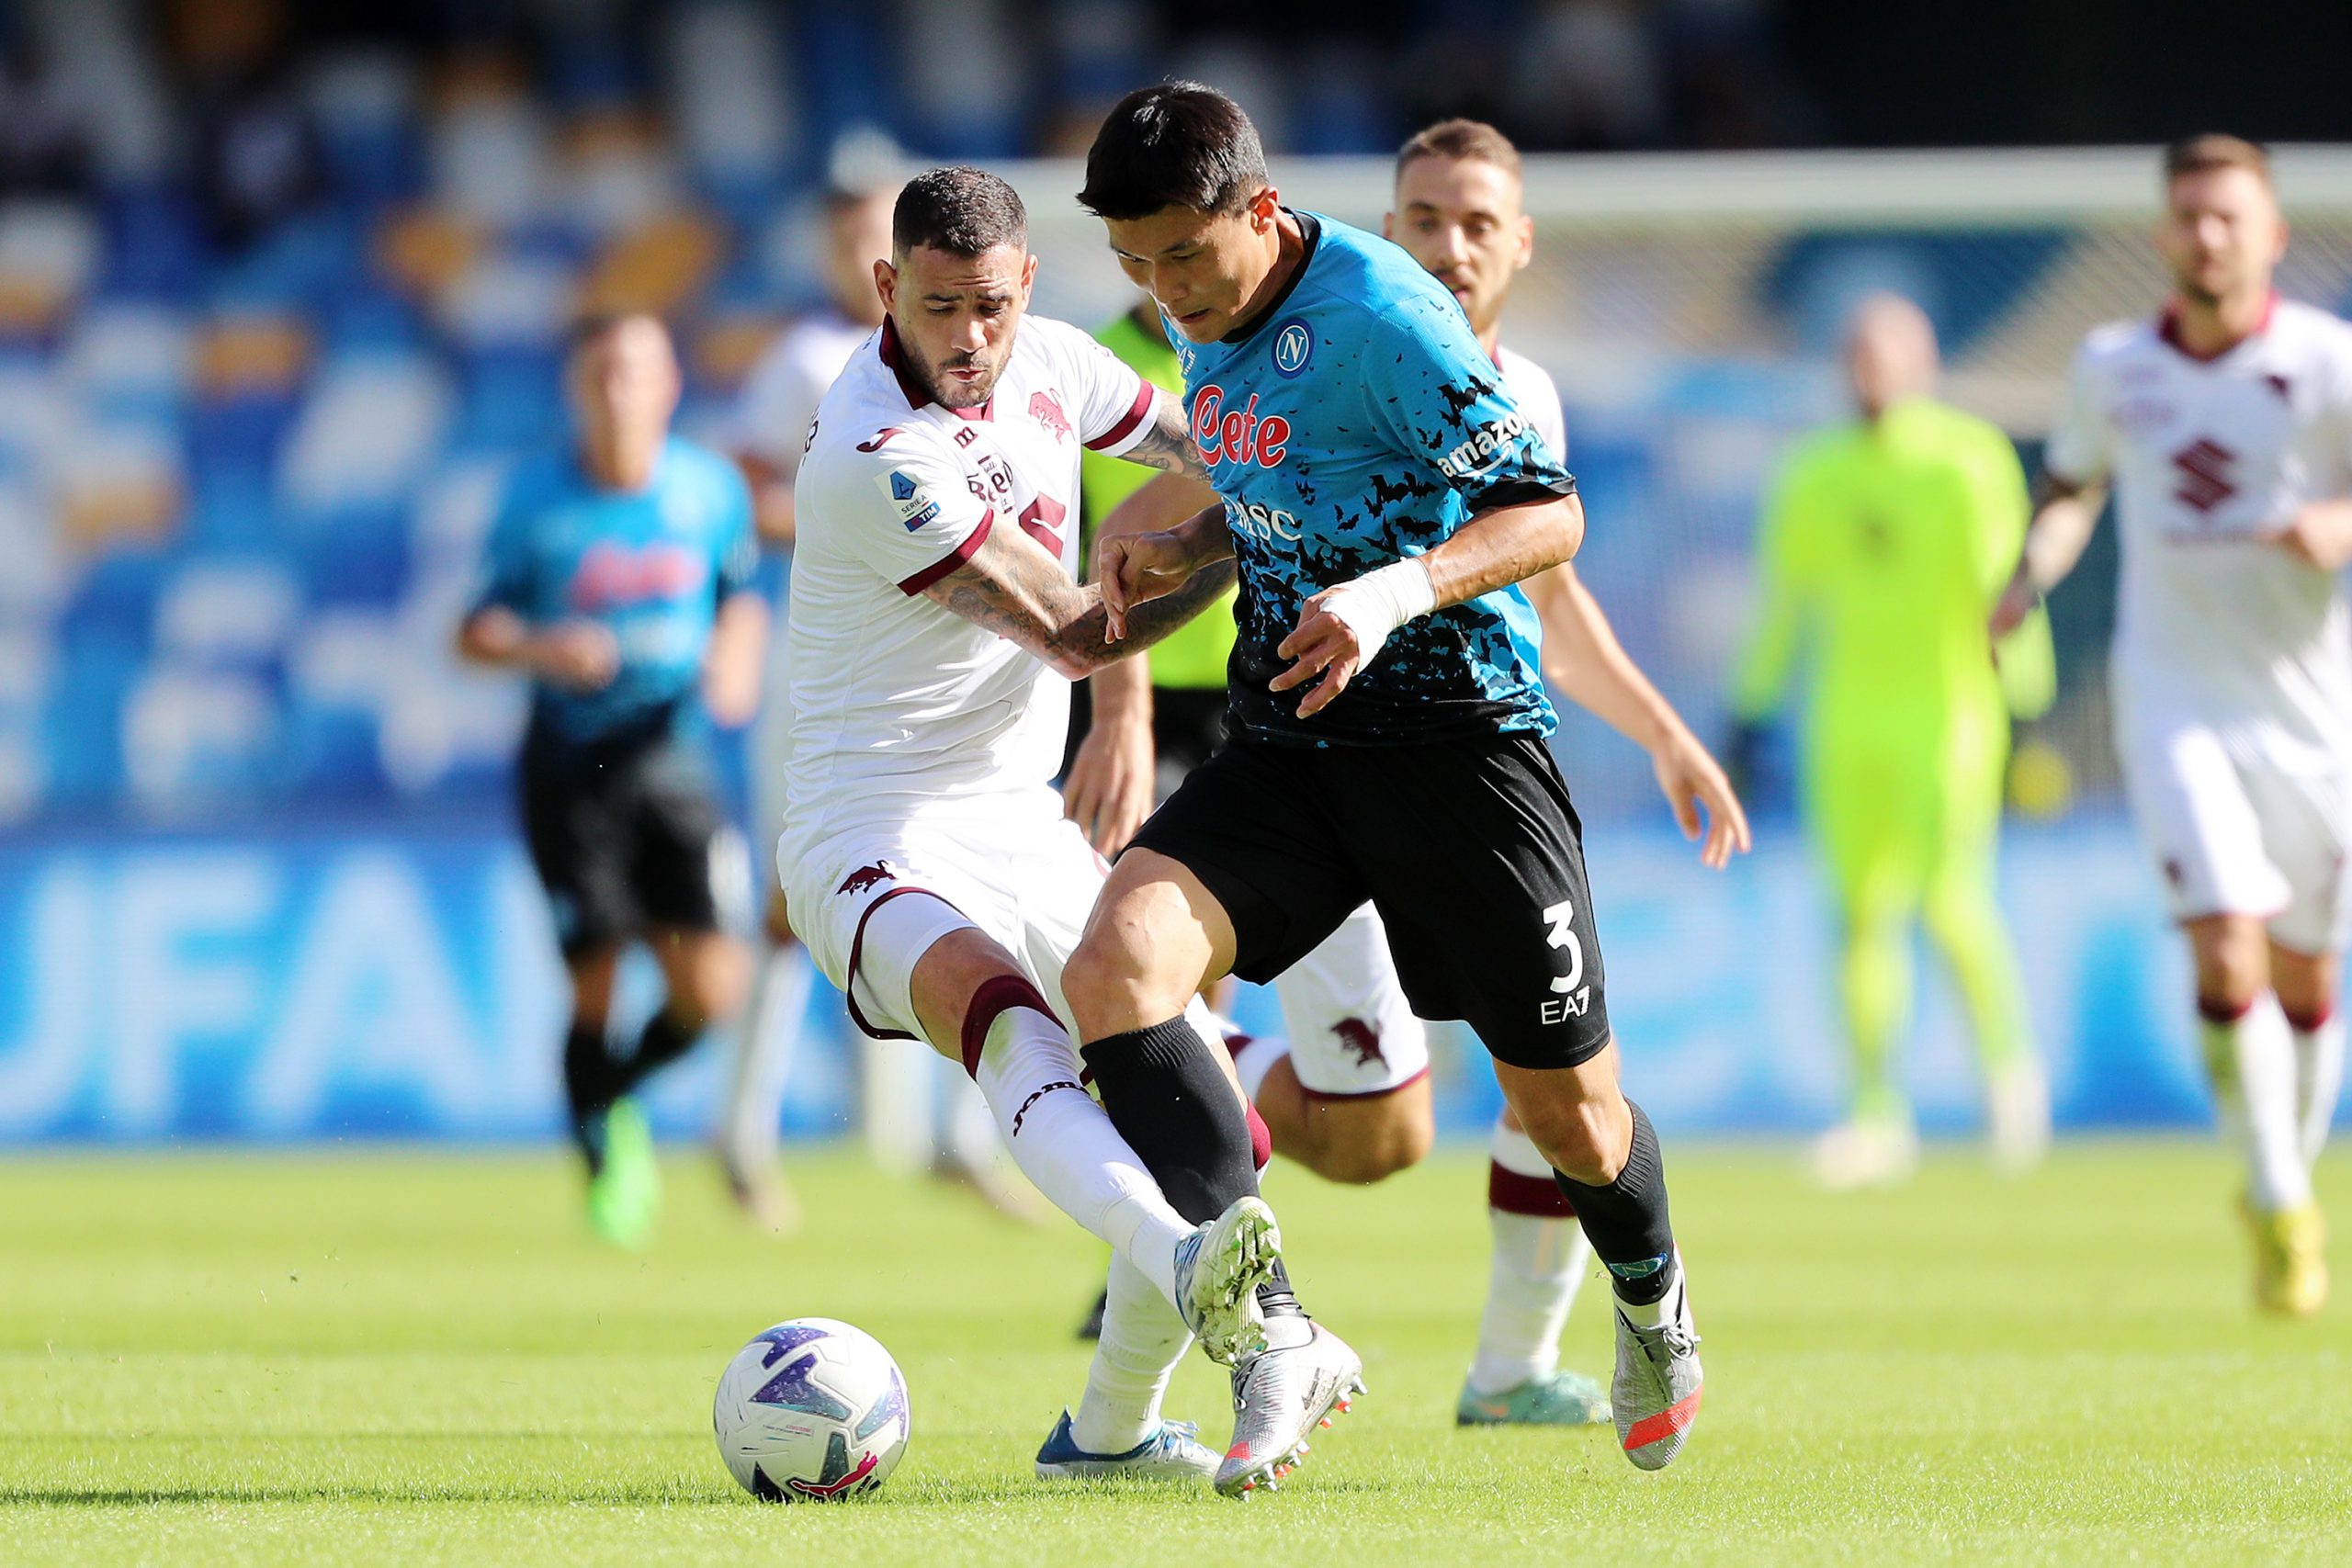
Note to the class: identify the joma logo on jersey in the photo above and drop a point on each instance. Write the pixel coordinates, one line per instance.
(2205, 481)
(1237, 435)
(1487, 447)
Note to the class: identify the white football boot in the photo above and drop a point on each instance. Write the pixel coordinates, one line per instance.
(1655, 1394)
(1173, 1452)
(1281, 1396)
(1219, 1269)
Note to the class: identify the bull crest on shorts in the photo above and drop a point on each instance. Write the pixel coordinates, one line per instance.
(1361, 1039)
(866, 877)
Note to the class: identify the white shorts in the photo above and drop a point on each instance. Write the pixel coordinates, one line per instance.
(1352, 1031)
(1025, 877)
(2236, 840)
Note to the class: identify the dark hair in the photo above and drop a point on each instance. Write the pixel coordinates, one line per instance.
(2195, 154)
(594, 326)
(964, 212)
(1175, 144)
(1459, 141)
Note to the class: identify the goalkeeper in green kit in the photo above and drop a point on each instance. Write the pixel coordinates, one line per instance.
(1883, 545)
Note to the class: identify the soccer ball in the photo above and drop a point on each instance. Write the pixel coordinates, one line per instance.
(811, 1411)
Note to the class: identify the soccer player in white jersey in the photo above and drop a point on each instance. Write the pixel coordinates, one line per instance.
(2225, 428)
(770, 426)
(936, 628)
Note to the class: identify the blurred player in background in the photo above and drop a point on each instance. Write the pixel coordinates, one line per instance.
(2225, 428)
(1380, 484)
(771, 427)
(619, 577)
(937, 627)
(1884, 543)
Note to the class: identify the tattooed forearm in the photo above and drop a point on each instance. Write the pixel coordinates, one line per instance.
(1012, 588)
(1168, 444)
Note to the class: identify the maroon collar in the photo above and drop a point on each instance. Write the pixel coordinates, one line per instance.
(2168, 329)
(916, 397)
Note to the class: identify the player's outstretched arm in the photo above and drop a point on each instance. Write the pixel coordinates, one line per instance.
(1167, 442)
(732, 664)
(1013, 588)
(1584, 659)
(2054, 541)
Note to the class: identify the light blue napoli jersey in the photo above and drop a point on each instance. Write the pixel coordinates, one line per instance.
(650, 565)
(1356, 424)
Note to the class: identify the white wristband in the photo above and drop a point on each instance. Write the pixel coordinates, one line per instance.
(1399, 591)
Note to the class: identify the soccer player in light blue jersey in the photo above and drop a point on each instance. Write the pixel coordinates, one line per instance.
(618, 577)
(1383, 493)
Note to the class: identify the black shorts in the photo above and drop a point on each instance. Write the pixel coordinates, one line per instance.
(1187, 727)
(627, 835)
(1470, 850)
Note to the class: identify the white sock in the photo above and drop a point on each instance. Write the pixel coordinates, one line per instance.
(1064, 1144)
(2318, 1078)
(1253, 1061)
(894, 1102)
(1539, 1261)
(1142, 1341)
(2252, 1061)
(763, 1048)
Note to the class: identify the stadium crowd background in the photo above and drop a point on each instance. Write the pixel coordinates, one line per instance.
(283, 293)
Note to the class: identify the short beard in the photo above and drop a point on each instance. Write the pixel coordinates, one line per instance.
(944, 393)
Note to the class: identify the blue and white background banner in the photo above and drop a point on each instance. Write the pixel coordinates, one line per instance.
(366, 983)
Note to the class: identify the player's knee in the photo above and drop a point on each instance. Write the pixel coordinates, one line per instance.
(1584, 1139)
(2231, 970)
(1375, 1152)
(1111, 989)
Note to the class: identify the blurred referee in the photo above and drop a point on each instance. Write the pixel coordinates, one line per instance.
(618, 576)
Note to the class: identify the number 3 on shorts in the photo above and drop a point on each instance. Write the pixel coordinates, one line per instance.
(1559, 915)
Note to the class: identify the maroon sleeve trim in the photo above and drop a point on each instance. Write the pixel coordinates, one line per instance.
(910, 586)
(1135, 416)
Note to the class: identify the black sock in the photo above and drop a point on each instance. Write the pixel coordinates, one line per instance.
(588, 1087)
(1626, 1221)
(1176, 1109)
(664, 1040)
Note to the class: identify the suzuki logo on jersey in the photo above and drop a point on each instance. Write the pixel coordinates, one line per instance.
(612, 575)
(1294, 346)
(1486, 448)
(1237, 435)
(2205, 480)
(1046, 410)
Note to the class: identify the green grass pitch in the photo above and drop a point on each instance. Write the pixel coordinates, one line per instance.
(398, 1358)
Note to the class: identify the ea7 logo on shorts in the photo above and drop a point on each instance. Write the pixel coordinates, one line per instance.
(1294, 347)
(1486, 449)
(865, 878)
(1570, 997)
(1046, 410)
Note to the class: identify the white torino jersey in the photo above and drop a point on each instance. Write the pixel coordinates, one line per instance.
(1532, 387)
(902, 708)
(2217, 628)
